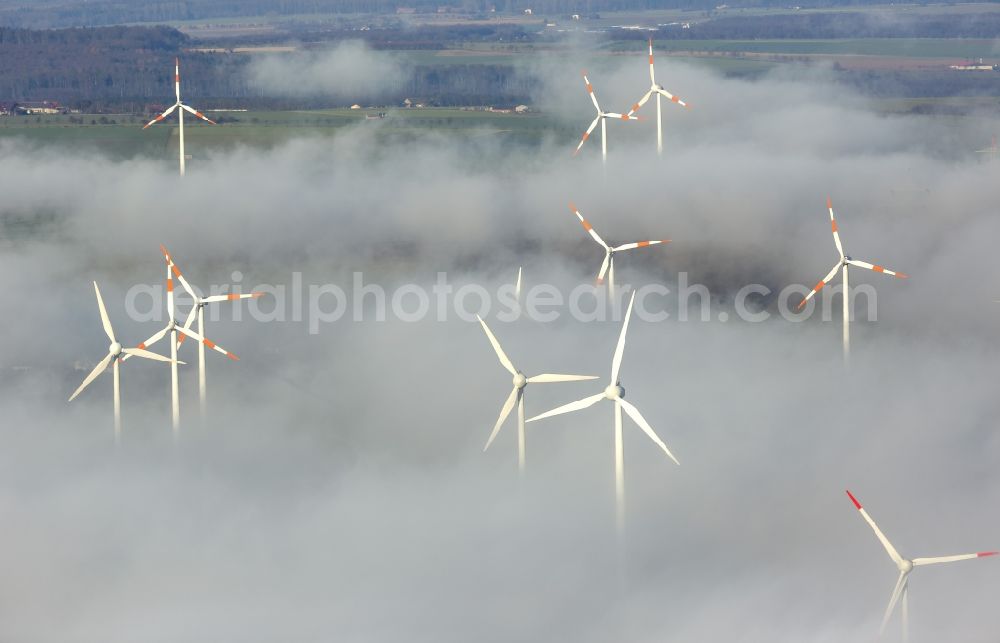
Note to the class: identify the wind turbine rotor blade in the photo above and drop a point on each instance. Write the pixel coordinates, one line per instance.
(877, 268)
(640, 103)
(586, 226)
(590, 90)
(207, 342)
(100, 368)
(616, 363)
(644, 425)
(177, 79)
(818, 287)
(893, 600)
(640, 244)
(833, 227)
(893, 554)
(671, 97)
(508, 406)
(198, 114)
(105, 321)
(586, 135)
(652, 76)
(149, 342)
(604, 268)
(546, 378)
(139, 352)
(233, 296)
(502, 356)
(624, 117)
(161, 116)
(918, 562)
(517, 285)
(177, 273)
(569, 408)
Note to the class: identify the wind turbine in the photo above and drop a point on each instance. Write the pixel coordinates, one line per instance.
(901, 590)
(991, 150)
(601, 118)
(517, 393)
(616, 394)
(116, 352)
(198, 312)
(842, 264)
(609, 251)
(180, 112)
(174, 329)
(660, 93)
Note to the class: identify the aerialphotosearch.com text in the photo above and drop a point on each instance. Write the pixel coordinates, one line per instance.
(362, 301)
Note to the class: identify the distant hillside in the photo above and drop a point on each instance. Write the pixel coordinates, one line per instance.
(39, 14)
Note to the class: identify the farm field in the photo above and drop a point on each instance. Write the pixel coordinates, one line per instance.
(125, 138)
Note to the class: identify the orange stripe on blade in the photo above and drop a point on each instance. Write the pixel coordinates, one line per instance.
(833, 224)
(232, 357)
(208, 342)
(590, 88)
(878, 268)
(170, 285)
(643, 244)
(586, 225)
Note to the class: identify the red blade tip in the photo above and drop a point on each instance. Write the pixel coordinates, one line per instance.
(854, 500)
(984, 554)
(829, 203)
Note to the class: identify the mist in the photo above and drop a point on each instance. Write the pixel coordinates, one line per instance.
(338, 488)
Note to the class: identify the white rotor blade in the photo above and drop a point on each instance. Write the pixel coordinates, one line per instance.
(546, 378)
(586, 135)
(207, 342)
(572, 406)
(673, 99)
(917, 562)
(833, 227)
(818, 287)
(161, 116)
(198, 114)
(644, 425)
(590, 90)
(508, 406)
(177, 273)
(604, 267)
(233, 296)
(517, 286)
(139, 352)
(652, 76)
(504, 360)
(149, 342)
(639, 244)
(104, 315)
(616, 363)
(893, 554)
(622, 117)
(586, 226)
(893, 600)
(101, 366)
(640, 103)
(877, 268)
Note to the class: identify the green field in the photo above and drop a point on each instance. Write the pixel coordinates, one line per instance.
(125, 138)
(893, 47)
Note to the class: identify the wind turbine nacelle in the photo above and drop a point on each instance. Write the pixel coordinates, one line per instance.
(520, 381)
(614, 392)
(115, 349)
(906, 566)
